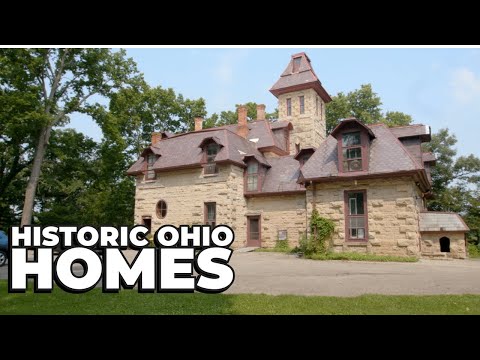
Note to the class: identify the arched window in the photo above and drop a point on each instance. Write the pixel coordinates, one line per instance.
(161, 209)
(445, 244)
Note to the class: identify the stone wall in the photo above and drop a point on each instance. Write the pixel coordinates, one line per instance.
(186, 192)
(308, 128)
(281, 212)
(392, 214)
(431, 244)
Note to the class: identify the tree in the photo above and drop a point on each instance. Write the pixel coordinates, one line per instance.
(63, 81)
(456, 180)
(365, 105)
(19, 126)
(230, 117)
(134, 113)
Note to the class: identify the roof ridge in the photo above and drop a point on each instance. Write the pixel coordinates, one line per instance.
(404, 126)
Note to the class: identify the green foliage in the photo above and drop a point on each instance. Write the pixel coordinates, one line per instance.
(230, 117)
(456, 181)
(473, 251)
(365, 105)
(321, 230)
(361, 257)
(282, 245)
(131, 302)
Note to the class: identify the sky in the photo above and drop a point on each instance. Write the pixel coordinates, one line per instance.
(437, 87)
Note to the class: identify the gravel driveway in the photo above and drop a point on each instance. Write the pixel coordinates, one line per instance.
(274, 273)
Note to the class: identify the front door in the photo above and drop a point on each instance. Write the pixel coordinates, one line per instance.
(253, 231)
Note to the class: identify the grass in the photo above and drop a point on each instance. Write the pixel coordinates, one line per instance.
(131, 302)
(473, 251)
(361, 257)
(279, 250)
(346, 256)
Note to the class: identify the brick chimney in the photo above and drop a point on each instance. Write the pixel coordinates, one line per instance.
(242, 128)
(198, 123)
(260, 112)
(156, 137)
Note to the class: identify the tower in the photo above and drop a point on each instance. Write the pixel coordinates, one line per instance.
(301, 100)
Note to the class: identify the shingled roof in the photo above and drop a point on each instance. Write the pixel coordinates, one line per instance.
(441, 221)
(387, 155)
(184, 151)
(282, 176)
(299, 78)
(420, 130)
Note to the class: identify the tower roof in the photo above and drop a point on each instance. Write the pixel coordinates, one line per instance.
(299, 75)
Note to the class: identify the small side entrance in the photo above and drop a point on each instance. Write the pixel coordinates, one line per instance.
(147, 222)
(253, 231)
(445, 244)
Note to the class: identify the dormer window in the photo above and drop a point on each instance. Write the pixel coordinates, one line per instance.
(211, 152)
(151, 158)
(296, 64)
(252, 176)
(352, 151)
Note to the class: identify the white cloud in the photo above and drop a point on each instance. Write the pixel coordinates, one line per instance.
(465, 85)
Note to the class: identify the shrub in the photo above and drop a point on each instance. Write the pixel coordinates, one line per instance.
(321, 231)
(282, 245)
(473, 251)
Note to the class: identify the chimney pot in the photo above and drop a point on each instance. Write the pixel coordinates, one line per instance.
(260, 112)
(198, 123)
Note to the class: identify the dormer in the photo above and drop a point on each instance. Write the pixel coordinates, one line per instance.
(255, 171)
(304, 154)
(353, 139)
(150, 158)
(210, 148)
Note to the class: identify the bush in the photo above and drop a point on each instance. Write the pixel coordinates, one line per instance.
(282, 245)
(473, 251)
(321, 231)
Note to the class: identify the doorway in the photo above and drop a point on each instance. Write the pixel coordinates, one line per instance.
(445, 244)
(147, 222)
(253, 231)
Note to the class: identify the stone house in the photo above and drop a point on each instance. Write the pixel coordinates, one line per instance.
(263, 178)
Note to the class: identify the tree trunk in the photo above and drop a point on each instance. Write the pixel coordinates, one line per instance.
(35, 176)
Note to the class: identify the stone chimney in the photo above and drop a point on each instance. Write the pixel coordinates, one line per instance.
(198, 123)
(156, 137)
(260, 112)
(242, 128)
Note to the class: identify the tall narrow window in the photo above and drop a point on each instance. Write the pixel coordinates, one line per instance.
(252, 176)
(356, 217)
(352, 152)
(289, 107)
(302, 104)
(296, 64)
(211, 153)
(316, 105)
(211, 214)
(151, 158)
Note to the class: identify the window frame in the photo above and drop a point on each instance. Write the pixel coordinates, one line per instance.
(149, 172)
(348, 216)
(158, 209)
(297, 62)
(256, 175)
(289, 106)
(207, 221)
(364, 151)
(209, 160)
(301, 104)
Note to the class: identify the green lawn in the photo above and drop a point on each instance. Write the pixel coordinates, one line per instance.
(130, 302)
